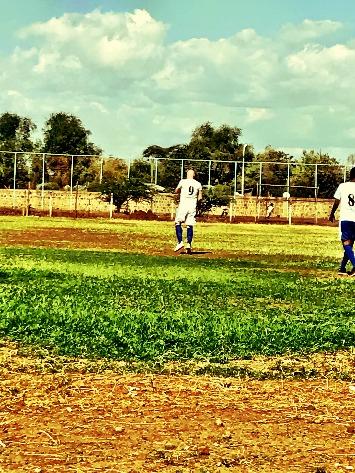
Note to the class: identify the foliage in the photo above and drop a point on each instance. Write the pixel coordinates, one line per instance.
(15, 135)
(206, 143)
(145, 307)
(328, 177)
(124, 190)
(141, 169)
(64, 134)
(214, 196)
(274, 175)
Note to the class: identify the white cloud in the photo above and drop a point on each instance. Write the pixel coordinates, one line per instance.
(132, 88)
(257, 114)
(309, 30)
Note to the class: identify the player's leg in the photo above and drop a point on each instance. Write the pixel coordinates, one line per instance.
(178, 231)
(342, 270)
(179, 219)
(190, 234)
(348, 237)
(190, 223)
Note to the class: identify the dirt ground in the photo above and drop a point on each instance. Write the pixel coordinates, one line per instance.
(102, 420)
(84, 418)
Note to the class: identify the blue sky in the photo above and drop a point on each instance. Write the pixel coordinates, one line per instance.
(147, 72)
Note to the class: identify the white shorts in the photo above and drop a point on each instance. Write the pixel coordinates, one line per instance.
(186, 215)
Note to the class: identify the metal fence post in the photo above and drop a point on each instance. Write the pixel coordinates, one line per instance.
(288, 178)
(71, 174)
(14, 183)
(101, 170)
(344, 172)
(42, 193)
(260, 178)
(71, 181)
(182, 169)
(156, 172)
(316, 192)
(209, 173)
(129, 168)
(235, 176)
(243, 168)
(243, 175)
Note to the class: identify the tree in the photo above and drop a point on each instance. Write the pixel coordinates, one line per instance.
(15, 135)
(141, 169)
(329, 175)
(168, 164)
(207, 143)
(215, 196)
(64, 134)
(274, 172)
(124, 191)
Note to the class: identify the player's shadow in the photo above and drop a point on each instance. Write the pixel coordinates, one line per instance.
(197, 253)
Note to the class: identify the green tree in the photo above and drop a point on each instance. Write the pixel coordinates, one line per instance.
(15, 135)
(141, 169)
(124, 191)
(215, 196)
(329, 175)
(65, 134)
(207, 143)
(274, 172)
(167, 162)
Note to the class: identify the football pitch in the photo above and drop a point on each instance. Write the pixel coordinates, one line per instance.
(115, 289)
(260, 308)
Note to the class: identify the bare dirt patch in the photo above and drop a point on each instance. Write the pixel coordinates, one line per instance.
(74, 420)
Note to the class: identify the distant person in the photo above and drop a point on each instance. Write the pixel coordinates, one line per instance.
(190, 192)
(345, 197)
(269, 209)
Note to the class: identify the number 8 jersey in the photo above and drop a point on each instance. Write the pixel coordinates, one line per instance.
(346, 194)
(189, 191)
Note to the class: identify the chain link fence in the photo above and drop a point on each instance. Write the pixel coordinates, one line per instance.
(44, 171)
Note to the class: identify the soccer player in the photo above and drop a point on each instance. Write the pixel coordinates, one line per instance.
(190, 192)
(345, 197)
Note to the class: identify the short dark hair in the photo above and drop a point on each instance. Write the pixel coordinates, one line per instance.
(352, 173)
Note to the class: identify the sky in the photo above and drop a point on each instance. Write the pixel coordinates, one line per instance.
(148, 72)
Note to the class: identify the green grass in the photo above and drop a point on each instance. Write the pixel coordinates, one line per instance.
(135, 306)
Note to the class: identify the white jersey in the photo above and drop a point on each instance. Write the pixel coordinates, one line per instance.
(189, 191)
(346, 194)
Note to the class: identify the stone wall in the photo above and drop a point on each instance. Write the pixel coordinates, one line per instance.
(162, 204)
(299, 208)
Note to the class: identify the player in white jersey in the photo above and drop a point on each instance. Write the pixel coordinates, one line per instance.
(345, 198)
(190, 192)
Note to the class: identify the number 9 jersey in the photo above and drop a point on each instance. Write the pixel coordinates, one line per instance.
(346, 194)
(189, 191)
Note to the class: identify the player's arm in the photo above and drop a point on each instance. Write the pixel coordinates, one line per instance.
(178, 189)
(334, 209)
(199, 195)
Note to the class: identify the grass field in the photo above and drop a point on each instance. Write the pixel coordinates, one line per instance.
(116, 290)
(136, 317)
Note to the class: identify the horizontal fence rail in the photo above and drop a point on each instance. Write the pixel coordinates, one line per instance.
(20, 170)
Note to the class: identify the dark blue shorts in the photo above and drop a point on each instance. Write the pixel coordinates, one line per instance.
(347, 230)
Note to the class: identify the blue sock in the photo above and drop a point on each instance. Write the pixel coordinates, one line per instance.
(178, 229)
(350, 254)
(343, 263)
(190, 234)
